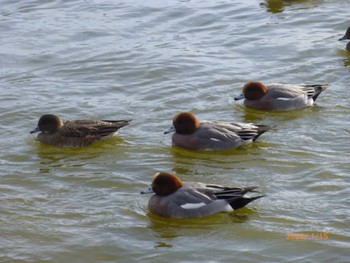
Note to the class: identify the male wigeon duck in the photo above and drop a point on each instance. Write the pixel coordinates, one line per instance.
(75, 133)
(346, 36)
(212, 135)
(279, 96)
(177, 199)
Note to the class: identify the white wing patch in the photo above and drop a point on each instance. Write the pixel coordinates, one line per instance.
(192, 205)
(214, 139)
(284, 98)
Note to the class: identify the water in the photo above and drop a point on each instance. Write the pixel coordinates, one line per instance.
(148, 60)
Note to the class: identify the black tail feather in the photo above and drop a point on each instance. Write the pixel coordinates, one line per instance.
(318, 90)
(314, 90)
(261, 129)
(240, 202)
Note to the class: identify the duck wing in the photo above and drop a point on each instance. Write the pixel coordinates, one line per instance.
(91, 128)
(290, 91)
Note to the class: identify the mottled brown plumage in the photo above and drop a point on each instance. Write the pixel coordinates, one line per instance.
(75, 133)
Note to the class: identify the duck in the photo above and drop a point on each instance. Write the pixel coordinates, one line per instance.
(173, 198)
(277, 97)
(192, 134)
(76, 133)
(346, 36)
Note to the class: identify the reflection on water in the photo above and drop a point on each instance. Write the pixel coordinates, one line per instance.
(52, 159)
(169, 228)
(278, 6)
(270, 117)
(55, 153)
(346, 55)
(346, 62)
(209, 165)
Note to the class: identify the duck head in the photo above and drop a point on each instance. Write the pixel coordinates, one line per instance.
(253, 90)
(48, 123)
(184, 123)
(164, 184)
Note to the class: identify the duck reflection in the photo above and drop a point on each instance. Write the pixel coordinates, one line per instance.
(52, 157)
(278, 6)
(346, 62)
(345, 53)
(168, 230)
(273, 118)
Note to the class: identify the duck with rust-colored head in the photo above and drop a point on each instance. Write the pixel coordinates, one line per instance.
(346, 36)
(212, 135)
(259, 96)
(75, 133)
(176, 199)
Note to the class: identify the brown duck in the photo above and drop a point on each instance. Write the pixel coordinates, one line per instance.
(75, 133)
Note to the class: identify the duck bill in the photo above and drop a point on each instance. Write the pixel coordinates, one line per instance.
(35, 130)
(239, 97)
(147, 191)
(170, 130)
(343, 38)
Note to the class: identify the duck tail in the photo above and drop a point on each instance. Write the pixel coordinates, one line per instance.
(261, 129)
(240, 202)
(112, 127)
(117, 124)
(120, 123)
(318, 89)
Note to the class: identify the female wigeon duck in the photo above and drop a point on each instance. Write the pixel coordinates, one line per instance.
(279, 96)
(75, 133)
(212, 135)
(176, 199)
(346, 36)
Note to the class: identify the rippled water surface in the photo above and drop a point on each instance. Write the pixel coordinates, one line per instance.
(147, 60)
